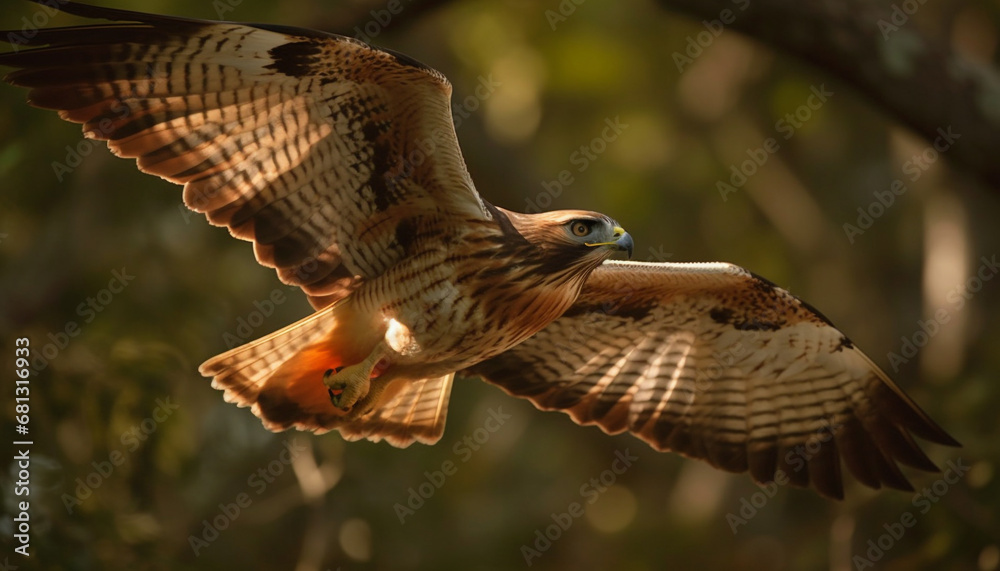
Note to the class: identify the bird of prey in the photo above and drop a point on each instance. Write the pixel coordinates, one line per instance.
(339, 161)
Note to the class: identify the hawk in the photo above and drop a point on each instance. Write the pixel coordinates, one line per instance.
(339, 161)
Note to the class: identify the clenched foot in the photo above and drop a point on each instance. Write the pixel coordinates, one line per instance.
(348, 385)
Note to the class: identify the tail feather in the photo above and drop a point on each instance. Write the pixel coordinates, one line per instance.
(280, 377)
(242, 371)
(408, 412)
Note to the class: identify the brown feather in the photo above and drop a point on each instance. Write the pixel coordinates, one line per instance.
(293, 138)
(715, 363)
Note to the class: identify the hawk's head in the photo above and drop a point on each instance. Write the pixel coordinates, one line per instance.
(569, 238)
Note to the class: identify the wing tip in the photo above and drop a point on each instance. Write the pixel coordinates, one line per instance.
(934, 433)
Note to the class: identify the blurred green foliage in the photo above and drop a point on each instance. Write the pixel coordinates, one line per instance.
(332, 505)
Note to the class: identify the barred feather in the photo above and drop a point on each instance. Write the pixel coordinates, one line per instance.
(412, 411)
(295, 139)
(714, 363)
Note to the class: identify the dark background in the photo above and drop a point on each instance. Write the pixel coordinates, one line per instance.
(125, 387)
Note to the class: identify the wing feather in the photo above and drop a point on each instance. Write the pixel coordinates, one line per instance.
(715, 363)
(314, 146)
(411, 411)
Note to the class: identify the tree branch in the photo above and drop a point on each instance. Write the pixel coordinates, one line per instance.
(916, 79)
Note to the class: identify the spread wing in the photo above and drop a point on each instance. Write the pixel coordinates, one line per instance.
(713, 362)
(333, 157)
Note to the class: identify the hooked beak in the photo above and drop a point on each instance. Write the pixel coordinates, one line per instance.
(622, 241)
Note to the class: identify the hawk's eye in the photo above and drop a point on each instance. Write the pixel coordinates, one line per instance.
(579, 228)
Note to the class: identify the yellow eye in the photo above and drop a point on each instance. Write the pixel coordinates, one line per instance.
(580, 228)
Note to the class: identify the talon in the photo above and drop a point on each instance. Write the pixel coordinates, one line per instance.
(335, 397)
(347, 385)
(336, 392)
